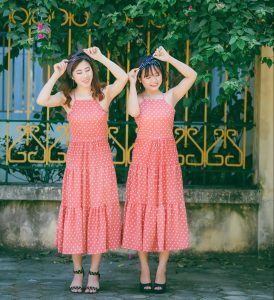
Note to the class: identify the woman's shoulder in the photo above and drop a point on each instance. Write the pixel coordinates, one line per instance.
(140, 98)
(168, 97)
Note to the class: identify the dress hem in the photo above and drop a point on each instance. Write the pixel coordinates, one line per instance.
(89, 252)
(155, 250)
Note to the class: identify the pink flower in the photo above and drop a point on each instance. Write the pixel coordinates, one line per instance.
(48, 30)
(41, 36)
(40, 26)
(190, 7)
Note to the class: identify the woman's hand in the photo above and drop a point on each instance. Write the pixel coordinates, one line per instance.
(161, 54)
(60, 68)
(94, 53)
(132, 75)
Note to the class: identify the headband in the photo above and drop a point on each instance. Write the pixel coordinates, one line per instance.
(149, 61)
(75, 57)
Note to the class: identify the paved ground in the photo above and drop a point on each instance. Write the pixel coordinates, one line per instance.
(46, 275)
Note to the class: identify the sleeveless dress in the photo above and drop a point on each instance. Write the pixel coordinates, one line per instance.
(154, 215)
(89, 217)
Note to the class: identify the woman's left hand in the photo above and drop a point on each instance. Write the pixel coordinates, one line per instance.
(94, 52)
(161, 54)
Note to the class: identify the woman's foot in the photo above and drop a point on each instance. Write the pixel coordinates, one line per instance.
(77, 282)
(145, 281)
(160, 281)
(159, 288)
(93, 285)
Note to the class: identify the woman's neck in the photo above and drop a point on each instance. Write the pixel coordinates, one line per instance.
(83, 92)
(152, 94)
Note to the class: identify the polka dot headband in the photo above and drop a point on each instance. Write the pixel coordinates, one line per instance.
(75, 57)
(149, 61)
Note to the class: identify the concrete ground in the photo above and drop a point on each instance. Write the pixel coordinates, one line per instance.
(47, 275)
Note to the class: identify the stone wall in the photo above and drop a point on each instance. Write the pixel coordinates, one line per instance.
(219, 219)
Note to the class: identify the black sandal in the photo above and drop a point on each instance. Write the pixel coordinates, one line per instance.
(161, 288)
(72, 288)
(90, 287)
(144, 287)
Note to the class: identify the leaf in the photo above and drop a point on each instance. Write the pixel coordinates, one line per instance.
(268, 61)
(246, 38)
(215, 40)
(6, 12)
(219, 48)
(187, 102)
(54, 3)
(36, 116)
(217, 25)
(202, 23)
(171, 2)
(211, 6)
(225, 56)
(233, 40)
(249, 30)
(240, 44)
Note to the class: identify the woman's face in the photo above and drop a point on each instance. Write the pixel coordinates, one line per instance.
(83, 74)
(152, 80)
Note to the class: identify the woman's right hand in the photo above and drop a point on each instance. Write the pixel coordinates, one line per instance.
(60, 68)
(132, 75)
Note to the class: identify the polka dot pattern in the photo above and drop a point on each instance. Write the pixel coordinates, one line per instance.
(155, 217)
(89, 216)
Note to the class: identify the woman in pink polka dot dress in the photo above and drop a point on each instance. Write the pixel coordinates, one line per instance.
(155, 218)
(89, 217)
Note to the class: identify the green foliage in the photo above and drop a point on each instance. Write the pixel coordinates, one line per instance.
(226, 35)
(220, 32)
(228, 88)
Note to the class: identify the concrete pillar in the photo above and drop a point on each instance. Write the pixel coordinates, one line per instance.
(263, 147)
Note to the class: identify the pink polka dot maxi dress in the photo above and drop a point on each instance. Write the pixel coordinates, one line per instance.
(89, 217)
(155, 217)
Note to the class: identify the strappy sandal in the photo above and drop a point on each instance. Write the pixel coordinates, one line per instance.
(93, 289)
(74, 289)
(145, 287)
(161, 288)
